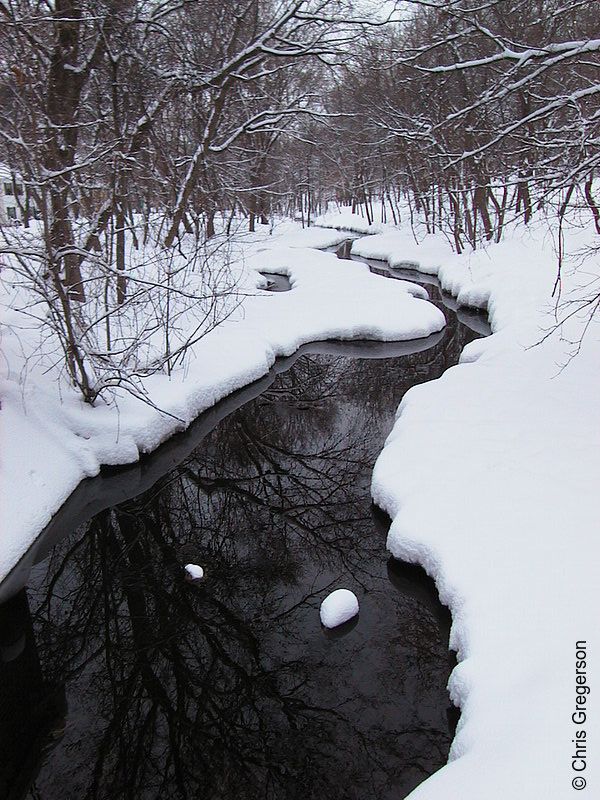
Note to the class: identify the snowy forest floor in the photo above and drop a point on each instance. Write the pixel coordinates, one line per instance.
(489, 474)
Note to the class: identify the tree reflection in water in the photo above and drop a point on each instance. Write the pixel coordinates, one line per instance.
(229, 688)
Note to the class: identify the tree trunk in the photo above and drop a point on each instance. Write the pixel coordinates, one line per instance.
(480, 205)
(524, 200)
(63, 260)
(120, 256)
(592, 203)
(210, 223)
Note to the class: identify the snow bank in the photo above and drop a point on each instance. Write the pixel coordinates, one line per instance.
(510, 441)
(344, 220)
(51, 440)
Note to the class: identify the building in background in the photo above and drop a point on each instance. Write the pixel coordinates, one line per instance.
(16, 204)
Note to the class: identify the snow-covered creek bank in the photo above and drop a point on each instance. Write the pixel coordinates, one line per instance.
(52, 440)
(509, 440)
(273, 500)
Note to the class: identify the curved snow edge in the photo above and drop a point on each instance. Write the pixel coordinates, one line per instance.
(51, 440)
(489, 476)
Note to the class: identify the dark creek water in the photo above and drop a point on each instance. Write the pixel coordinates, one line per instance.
(120, 679)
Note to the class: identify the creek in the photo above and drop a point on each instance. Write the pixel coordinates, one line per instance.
(122, 679)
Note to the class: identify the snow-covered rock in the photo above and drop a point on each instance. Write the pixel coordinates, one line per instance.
(338, 607)
(194, 572)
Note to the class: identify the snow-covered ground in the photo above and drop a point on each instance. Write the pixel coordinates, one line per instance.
(51, 440)
(490, 476)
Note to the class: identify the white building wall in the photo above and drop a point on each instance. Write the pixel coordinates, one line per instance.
(10, 211)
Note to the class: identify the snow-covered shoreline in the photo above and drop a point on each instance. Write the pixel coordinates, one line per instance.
(51, 440)
(509, 441)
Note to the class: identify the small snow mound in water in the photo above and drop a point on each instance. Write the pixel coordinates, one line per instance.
(338, 607)
(194, 572)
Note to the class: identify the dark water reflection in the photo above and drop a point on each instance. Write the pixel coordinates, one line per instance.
(123, 680)
(275, 282)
